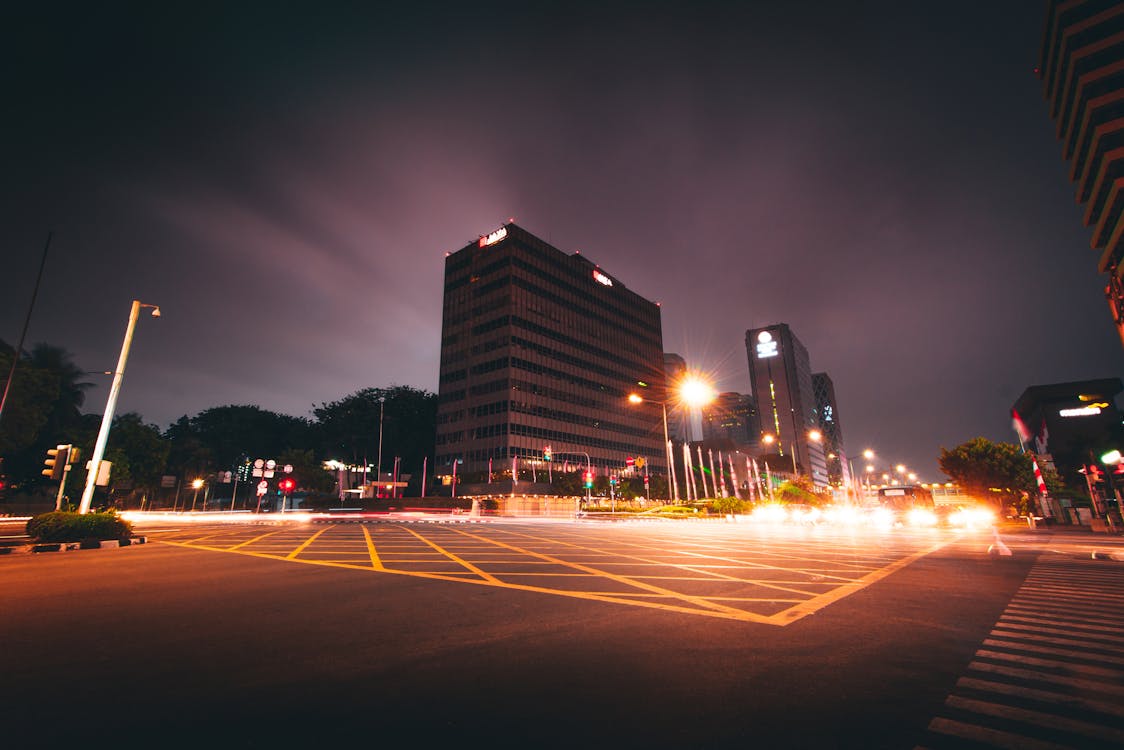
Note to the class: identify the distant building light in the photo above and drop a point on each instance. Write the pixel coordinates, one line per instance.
(1084, 411)
(494, 237)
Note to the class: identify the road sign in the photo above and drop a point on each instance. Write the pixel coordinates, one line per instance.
(263, 487)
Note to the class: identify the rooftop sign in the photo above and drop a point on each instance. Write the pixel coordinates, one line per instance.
(601, 278)
(766, 346)
(494, 237)
(1084, 411)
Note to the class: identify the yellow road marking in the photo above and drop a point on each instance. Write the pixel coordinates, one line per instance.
(697, 601)
(819, 602)
(711, 575)
(249, 541)
(458, 560)
(705, 606)
(376, 563)
(292, 555)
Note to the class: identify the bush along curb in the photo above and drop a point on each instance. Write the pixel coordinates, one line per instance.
(70, 546)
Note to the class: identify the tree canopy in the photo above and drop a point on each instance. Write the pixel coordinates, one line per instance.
(987, 469)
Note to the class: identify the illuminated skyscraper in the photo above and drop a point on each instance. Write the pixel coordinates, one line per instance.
(827, 415)
(781, 378)
(540, 348)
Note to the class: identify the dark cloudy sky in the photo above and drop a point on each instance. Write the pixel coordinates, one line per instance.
(285, 182)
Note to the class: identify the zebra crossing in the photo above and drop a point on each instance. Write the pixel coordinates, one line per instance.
(1050, 675)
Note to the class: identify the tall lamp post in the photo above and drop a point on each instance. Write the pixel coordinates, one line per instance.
(111, 404)
(691, 391)
(673, 486)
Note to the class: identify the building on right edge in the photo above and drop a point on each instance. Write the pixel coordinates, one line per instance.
(1070, 426)
(827, 415)
(780, 375)
(1082, 70)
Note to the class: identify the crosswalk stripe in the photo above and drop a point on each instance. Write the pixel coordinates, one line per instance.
(1039, 676)
(1072, 653)
(1057, 641)
(1050, 672)
(1046, 696)
(993, 737)
(1038, 719)
(1082, 626)
(1086, 636)
(1048, 663)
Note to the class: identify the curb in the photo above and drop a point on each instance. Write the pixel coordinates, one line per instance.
(71, 546)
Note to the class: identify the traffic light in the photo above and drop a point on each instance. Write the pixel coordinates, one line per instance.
(588, 476)
(55, 462)
(548, 453)
(287, 485)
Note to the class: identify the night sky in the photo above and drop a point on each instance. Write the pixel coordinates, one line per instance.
(285, 183)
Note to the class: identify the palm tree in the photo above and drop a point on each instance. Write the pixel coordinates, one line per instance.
(67, 408)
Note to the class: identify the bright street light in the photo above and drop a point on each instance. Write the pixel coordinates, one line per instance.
(692, 391)
(111, 404)
(868, 454)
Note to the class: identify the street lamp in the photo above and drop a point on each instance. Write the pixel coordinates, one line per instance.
(196, 484)
(636, 398)
(111, 404)
(692, 391)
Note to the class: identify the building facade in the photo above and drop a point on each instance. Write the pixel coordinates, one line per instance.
(781, 377)
(731, 420)
(539, 351)
(1081, 65)
(827, 416)
(1071, 423)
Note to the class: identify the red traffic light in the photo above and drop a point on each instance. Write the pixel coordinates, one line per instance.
(286, 485)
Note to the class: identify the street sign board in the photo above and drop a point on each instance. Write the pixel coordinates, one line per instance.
(263, 487)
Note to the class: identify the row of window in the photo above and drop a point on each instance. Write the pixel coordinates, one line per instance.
(541, 433)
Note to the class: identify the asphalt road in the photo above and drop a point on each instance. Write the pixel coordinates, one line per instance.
(582, 635)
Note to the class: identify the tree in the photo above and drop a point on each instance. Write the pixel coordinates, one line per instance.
(349, 427)
(218, 438)
(43, 407)
(988, 470)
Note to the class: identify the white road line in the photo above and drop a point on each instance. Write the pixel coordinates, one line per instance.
(1051, 664)
(1056, 679)
(1035, 718)
(1046, 696)
(992, 737)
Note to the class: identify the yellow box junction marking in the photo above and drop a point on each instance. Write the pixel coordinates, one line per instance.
(645, 593)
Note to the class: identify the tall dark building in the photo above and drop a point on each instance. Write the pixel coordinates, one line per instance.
(540, 348)
(1073, 423)
(1082, 70)
(781, 377)
(827, 415)
(731, 419)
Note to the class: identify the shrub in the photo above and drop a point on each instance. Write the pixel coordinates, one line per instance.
(673, 510)
(727, 505)
(75, 527)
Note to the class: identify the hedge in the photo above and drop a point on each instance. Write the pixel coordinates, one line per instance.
(75, 527)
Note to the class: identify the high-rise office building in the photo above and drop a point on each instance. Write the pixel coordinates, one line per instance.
(1082, 70)
(781, 378)
(731, 420)
(827, 415)
(539, 350)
